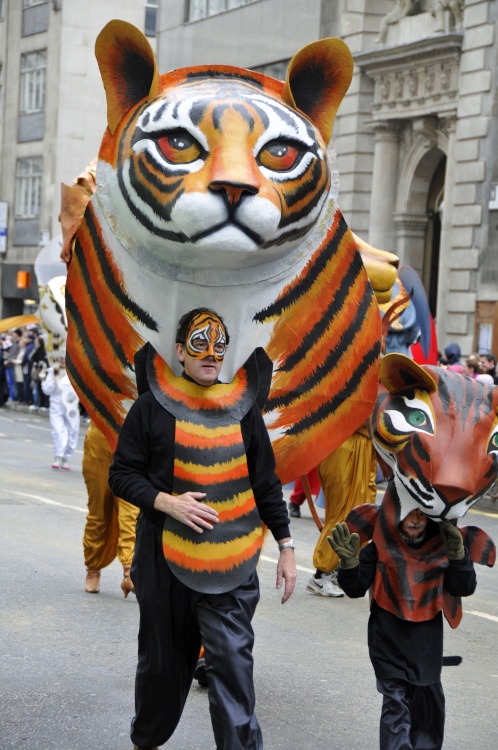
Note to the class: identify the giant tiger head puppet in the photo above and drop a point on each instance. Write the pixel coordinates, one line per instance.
(215, 188)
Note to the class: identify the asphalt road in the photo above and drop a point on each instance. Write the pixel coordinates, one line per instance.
(68, 658)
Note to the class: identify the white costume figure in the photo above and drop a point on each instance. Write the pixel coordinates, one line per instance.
(64, 415)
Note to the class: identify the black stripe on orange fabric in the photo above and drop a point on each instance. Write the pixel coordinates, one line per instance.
(208, 456)
(114, 287)
(313, 271)
(88, 393)
(323, 325)
(88, 346)
(305, 189)
(323, 411)
(217, 492)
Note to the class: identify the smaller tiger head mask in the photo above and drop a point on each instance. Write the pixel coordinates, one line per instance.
(438, 431)
(206, 337)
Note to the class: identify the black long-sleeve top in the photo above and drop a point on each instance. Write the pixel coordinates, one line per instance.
(144, 461)
(401, 649)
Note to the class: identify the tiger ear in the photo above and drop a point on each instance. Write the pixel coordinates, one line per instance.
(128, 68)
(317, 79)
(398, 372)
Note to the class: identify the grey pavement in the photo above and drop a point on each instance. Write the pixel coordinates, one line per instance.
(67, 658)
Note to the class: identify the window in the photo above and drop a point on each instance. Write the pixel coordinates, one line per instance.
(28, 187)
(202, 8)
(276, 70)
(1, 90)
(151, 17)
(33, 77)
(29, 3)
(2, 9)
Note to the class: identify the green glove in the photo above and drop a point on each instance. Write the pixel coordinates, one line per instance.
(345, 545)
(452, 541)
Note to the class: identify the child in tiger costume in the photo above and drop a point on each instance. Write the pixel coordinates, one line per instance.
(439, 433)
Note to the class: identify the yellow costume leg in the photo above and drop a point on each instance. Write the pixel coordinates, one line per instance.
(127, 521)
(348, 479)
(100, 537)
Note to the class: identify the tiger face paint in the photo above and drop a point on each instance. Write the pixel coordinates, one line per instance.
(206, 337)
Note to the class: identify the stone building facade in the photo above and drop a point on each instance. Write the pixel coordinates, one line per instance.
(52, 118)
(415, 136)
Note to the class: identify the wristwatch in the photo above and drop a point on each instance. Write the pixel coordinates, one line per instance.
(287, 545)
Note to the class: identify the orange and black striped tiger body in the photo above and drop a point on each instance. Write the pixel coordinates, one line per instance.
(210, 457)
(215, 188)
(438, 431)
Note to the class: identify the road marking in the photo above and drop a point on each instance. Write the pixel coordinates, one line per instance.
(273, 560)
(47, 501)
(481, 614)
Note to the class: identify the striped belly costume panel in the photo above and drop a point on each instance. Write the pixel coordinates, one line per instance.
(210, 457)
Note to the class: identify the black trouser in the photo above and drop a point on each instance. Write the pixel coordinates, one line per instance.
(412, 716)
(173, 622)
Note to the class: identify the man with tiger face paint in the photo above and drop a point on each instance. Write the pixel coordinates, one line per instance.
(202, 351)
(195, 456)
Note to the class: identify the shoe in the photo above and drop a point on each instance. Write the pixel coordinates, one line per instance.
(127, 584)
(294, 510)
(200, 673)
(92, 585)
(324, 586)
(65, 465)
(57, 463)
(333, 578)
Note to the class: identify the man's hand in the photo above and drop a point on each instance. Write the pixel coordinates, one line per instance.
(286, 571)
(188, 509)
(345, 545)
(453, 541)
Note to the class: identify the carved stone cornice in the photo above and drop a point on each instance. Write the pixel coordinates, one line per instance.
(414, 79)
(385, 130)
(413, 225)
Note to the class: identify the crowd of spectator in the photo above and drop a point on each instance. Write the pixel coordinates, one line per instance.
(22, 367)
(478, 366)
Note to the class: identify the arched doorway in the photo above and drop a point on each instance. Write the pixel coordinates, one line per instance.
(419, 216)
(435, 200)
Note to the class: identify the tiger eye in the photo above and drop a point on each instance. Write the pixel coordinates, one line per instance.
(279, 157)
(417, 418)
(179, 148)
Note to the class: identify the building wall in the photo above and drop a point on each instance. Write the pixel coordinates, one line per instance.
(74, 115)
(251, 35)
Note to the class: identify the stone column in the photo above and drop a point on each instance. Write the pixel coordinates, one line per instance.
(446, 231)
(410, 239)
(384, 185)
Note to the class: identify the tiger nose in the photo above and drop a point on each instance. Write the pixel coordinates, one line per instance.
(233, 190)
